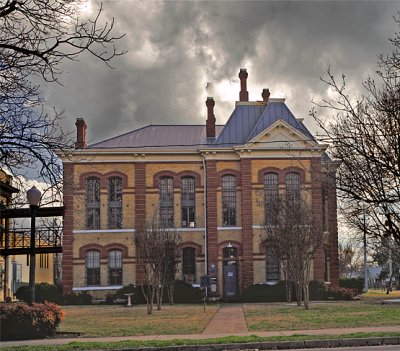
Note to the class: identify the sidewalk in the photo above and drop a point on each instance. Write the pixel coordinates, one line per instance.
(228, 321)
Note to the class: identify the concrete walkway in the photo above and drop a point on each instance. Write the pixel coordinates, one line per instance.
(228, 319)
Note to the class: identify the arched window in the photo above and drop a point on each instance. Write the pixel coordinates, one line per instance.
(293, 187)
(115, 202)
(93, 203)
(272, 265)
(189, 264)
(167, 202)
(115, 267)
(229, 200)
(188, 201)
(92, 268)
(271, 195)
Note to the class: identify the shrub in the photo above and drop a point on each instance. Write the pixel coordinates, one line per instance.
(353, 283)
(338, 293)
(264, 293)
(21, 321)
(43, 292)
(82, 298)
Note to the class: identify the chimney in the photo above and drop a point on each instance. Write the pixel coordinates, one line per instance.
(210, 124)
(80, 133)
(265, 95)
(243, 94)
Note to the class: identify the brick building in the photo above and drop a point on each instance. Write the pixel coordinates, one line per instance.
(206, 181)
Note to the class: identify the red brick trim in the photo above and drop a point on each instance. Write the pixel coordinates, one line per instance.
(117, 174)
(186, 244)
(90, 247)
(161, 174)
(193, 174)
(116, 246)
(299, 170)
(228, 171)
(278, 171)
(234, 243)
(84, 176)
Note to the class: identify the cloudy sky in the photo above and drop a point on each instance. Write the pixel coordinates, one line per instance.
(176, 47)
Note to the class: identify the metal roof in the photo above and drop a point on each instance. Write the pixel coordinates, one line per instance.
(246, 122)
(159, 136)
(278, 111)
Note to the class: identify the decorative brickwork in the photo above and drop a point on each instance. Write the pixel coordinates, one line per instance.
(140, 211)
(103, 250)
(211, 198)
(234, 172)
(316, 198)
(68, 198)
(247, 223)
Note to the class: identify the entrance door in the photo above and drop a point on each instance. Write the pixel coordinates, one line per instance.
(230, 279)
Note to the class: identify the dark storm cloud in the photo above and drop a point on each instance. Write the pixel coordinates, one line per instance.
(175, 48)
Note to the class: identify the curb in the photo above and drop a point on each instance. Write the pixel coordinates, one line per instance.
(279, 345)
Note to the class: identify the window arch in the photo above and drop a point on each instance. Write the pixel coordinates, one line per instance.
(188, 201)
(115, 267)
(292, 181)
(228, 185)
(114, 202)
(93, 203)
(167, 202)
(271, 194)
(92, 263)
(189, 264)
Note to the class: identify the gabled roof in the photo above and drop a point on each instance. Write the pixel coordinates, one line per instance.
(278, 111)
(247, 121)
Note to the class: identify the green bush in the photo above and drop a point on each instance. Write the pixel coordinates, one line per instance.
(20, 321)
(43, 292)
(82, 298)
(353, 283)
(338, 293)
(264, 293)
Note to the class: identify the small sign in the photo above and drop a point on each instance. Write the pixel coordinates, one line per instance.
(230, 274)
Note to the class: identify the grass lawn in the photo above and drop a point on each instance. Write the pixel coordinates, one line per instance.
(95, 321)
(377, 295)
(267, 317)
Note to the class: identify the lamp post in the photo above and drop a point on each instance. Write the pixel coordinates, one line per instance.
(33, 196)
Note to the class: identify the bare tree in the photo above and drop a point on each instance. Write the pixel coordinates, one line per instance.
(350, 259)
(36, 37)
(364, 133)
(294, 237)
(156, 249)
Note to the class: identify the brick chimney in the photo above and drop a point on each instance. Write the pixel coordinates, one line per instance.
(80, 133)
(210, 124)
(265, 95)
(243, 94)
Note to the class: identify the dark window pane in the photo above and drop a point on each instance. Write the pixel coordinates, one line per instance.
(189, 264)
(229, 200)
(115, 202)
(167, 202)
(271, 193)
(93, 203)
(272, 265)
(188, 201)
(115, 267)
(293, 187)
(92, 268)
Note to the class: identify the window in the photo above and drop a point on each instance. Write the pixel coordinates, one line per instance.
(115, 203)
(188, 203)
(93, 203)
(271, 193)
(167, 202)
(293, 187)
(189, 264)
(229, 200)
(92, 268)
(115, 267)
(272, 265)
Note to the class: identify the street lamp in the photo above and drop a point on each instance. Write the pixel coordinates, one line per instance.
(33, 196)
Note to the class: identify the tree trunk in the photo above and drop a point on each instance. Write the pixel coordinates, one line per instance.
(288, 284)
(306, 296)
(298, 293)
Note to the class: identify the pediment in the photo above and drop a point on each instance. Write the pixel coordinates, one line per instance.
(281, 135)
